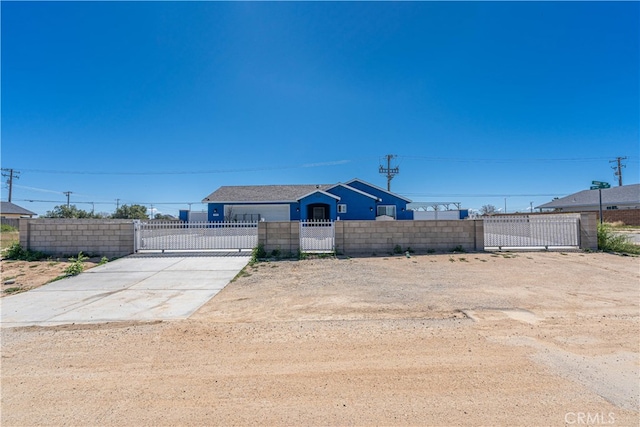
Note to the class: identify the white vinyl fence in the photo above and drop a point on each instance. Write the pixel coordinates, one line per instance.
(195, 236)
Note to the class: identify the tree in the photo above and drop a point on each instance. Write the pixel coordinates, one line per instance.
(71, 211)
(488, 210)
(131, 212)
(165, 217)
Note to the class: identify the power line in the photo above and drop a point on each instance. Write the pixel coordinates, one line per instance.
(109, 203)
(11, 175)
(494, 160)
(618, 169)
(480, 195)
(391, 172)
(190, 172)
(320, 164)
(68, 194)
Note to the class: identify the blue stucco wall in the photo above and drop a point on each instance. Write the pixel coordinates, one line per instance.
(215, 212)
(359, 206)
(318, 198)
(402, 213)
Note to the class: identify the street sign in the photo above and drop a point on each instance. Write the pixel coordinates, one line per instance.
(596, 185)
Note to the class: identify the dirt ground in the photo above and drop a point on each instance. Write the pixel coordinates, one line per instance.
(20, 276)
(435, 340)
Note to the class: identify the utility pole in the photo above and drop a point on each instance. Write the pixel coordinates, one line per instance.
(117, 204)
(618, 168)
(391, 172)
(11, 175)
(68, 194)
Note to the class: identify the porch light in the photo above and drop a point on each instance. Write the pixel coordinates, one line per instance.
(370, 209)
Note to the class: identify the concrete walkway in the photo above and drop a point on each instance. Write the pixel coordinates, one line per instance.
(138, 287)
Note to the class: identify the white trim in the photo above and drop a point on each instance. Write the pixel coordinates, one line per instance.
(354, 190)
(379, 189)
(321, 192)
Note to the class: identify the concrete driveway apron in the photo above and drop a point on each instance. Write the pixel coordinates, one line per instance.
(134, 288)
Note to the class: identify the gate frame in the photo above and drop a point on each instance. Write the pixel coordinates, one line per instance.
(319, 225)
(548, 245)
(228, 242)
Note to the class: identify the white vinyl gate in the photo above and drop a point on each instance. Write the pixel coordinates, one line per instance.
(317, 236)
(194, 236)
(532, 231)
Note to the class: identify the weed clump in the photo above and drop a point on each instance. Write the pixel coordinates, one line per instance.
(608, 241)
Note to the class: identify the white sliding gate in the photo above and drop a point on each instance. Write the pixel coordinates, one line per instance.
(195, 236)
(317, 236)
(532, 231)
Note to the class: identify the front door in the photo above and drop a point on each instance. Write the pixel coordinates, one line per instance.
(318, 213)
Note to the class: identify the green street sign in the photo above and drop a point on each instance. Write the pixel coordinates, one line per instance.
(596, 185)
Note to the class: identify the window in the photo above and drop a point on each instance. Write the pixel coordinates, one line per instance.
(389, 210)
(342, 208)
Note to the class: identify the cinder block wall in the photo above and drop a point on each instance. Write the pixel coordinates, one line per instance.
(60, 237)
(280, 236)
(589, 231)
(382, 237)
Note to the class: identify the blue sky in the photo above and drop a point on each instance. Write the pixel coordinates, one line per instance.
(160, 103)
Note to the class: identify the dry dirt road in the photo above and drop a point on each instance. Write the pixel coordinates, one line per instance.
(438, 340)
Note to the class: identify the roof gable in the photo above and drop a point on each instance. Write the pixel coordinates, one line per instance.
(324, 193)
(378, 189)
(13, 209)
(626, 194)
(352, 189)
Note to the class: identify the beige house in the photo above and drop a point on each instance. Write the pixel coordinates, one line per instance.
(13, 211)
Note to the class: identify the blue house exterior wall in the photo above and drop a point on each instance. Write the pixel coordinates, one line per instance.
(215, 212)
(318, 198)
(402, 213)
(294, 211)
(359, 206)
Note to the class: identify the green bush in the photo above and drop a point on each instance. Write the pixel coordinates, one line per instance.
(258, 253)
(77, 265)
(609, 241)
(6, 228)
(17, 252)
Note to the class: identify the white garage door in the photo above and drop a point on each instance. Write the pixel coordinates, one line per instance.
(266, 212)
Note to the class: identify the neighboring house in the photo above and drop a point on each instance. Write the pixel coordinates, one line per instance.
(10, 210)
(353, 200)
(614, 198)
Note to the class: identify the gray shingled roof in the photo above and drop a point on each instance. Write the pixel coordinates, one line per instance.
(262, 193)
(13, 209)
(625, 195)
